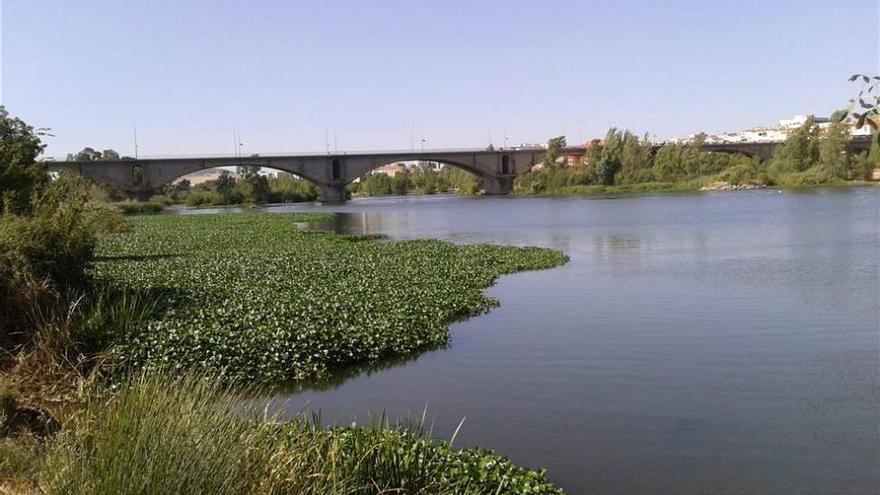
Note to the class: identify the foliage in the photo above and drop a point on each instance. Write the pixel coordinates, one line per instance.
(800, 150)
(554, 147)
(88, 154)
(203, 198)
(225, 184)
(833, 158)
(20, 175)
(425, 178)
(259, 299)
(868, 101)
(155, 205)
(186, 435)
(253, 186)
(286, 188)
(47, 251)
(624, 163)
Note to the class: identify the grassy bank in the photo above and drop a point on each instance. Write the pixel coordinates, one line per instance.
(186, 435)
(598, 190)
(256, 298)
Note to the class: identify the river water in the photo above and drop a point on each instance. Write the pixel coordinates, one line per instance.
(720, 343)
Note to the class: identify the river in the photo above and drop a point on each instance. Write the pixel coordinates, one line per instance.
(719, 343)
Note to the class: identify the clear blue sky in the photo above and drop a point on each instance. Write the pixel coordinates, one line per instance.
(186, 71)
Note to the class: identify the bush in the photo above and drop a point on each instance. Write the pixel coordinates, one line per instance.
(139, 207)
(751, 172)
(48, 251)
(161, 199)
(203, 198)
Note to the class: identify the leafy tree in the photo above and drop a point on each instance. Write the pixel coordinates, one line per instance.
(89, 154)
(833, 159)
(400, 183)
(288, 187)
(554, 147)
(636, 159)
(20, 174)
(460, 180)
(378, 185)
(225, 185)
(800, 150)
(109, 155)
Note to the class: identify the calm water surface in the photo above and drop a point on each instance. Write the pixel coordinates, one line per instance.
(720, 343)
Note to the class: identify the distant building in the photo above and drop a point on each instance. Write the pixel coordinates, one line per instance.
(391, 169)
(776, 134)
(799, 120)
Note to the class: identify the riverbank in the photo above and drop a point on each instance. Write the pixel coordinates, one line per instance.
(690, 187)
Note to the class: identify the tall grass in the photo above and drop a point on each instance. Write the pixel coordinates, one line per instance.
(187, 435)
(158, 436)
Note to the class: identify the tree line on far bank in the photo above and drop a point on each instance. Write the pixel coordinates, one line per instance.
(809, 156)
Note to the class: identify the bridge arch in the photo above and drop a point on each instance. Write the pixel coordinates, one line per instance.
(162, 176)
(475, 171)
(455, 176)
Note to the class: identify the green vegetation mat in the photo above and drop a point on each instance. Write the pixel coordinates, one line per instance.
(253, 297)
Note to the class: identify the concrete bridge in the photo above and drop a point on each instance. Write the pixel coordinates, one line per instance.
(330, 172)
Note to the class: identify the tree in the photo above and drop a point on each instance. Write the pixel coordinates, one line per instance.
(378, 184)
(669, 162)
(800, 150)
(636, 159)
(833, 159)
(20, 174)
(89, 154)
(400, 183)
(257, 183)
(225, 185)
(554, 146)
(109, 155)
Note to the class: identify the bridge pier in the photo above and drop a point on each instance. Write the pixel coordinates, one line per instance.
(494, 186)
(333, 193)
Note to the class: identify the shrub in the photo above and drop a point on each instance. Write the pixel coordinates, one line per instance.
(48, 251)
(203, 198)
(137, 207)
